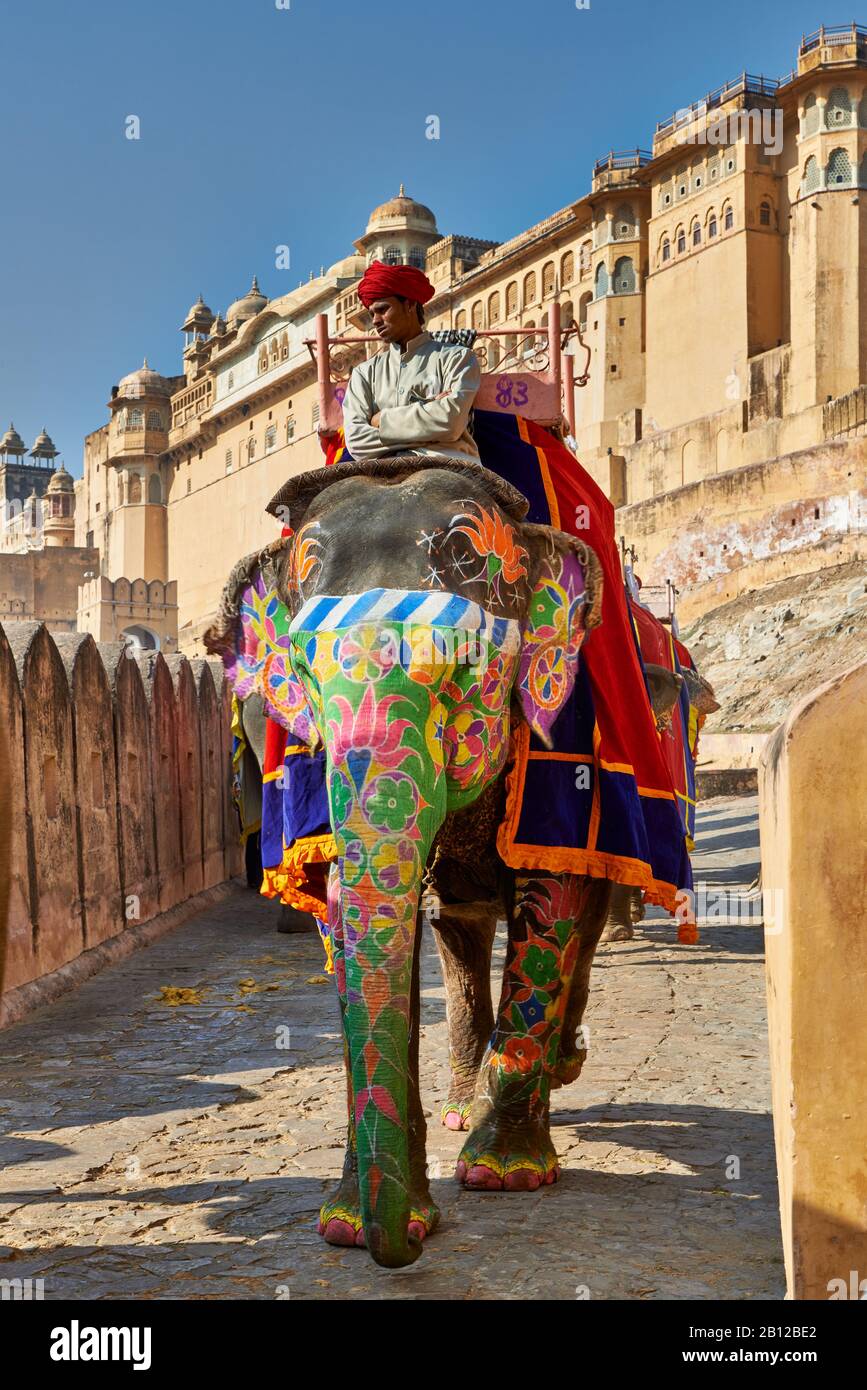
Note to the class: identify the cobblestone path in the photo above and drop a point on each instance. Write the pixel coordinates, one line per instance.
(159, 1150)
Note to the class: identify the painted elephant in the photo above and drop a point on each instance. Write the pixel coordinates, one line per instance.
(426, 618)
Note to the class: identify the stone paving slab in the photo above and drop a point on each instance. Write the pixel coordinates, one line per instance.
(159, 1151)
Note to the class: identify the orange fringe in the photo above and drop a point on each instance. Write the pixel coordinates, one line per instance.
(635, 873)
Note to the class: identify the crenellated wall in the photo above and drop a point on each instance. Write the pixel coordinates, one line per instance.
(120, 790)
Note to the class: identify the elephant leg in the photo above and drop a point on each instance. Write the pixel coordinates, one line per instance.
(465, 939)
(573, 1040)
(340, 1213)
(509, 1145)
(625, 910)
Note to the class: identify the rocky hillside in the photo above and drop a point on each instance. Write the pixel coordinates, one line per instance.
(766, 650)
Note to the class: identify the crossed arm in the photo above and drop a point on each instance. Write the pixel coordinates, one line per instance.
(370, 432)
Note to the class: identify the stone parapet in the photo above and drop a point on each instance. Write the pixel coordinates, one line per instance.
(118, 793)
(814, 868)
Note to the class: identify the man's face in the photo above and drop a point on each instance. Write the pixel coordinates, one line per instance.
(394, 320)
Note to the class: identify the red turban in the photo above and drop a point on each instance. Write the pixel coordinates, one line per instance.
(380, 280)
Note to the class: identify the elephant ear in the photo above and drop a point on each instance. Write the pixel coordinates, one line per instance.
(565, 604)
(251, 636)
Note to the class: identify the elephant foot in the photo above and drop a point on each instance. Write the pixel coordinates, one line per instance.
(455, 1114)
(621, 933)
(340, 1217)
(496, 1159)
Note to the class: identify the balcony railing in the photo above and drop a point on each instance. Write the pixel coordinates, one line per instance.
(746, 83)
(622, 159)
(829, 37)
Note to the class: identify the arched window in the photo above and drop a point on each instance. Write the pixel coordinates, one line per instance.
(135, 419)
(696, 175)
(493, 354)
(838, 109)
(290, 428)
(839, 168)
(601, 280)
(713, 168)
(665, 196)
(155, 488)
(529, 288)
(511, 299)
(478, 314)
(284, 346)
(392, 256)
(270, 438)
(263, 359)
(461, 318)
(493, 308)
(529, 342)
(585, 256)
(134, 494)
(274, 352)
(696, 233)
(624, 276)
(680, 182)
(665, 254)
(567, 314)
(567, 269)
(711, 226)
(416, 257)
(549, 279)
(728, 217)
(155, 420)
(680, 240)
(811, 175)
(811, 115)
(251, 449)
(510, 342)
(765, 214)
(583, 305)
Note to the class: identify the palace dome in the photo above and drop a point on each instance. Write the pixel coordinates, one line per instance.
(60, 481)
(199, 317)
(349, 268)
(401, 211)
(144, 382)
(43, 446)
(12, 442)
(248, 306)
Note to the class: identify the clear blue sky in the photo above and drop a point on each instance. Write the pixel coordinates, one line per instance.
(262, 126)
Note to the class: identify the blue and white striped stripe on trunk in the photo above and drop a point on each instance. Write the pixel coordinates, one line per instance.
(325, 612)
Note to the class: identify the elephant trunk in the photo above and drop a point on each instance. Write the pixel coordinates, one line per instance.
(380, 940)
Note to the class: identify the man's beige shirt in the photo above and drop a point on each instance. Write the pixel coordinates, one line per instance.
(401, 386)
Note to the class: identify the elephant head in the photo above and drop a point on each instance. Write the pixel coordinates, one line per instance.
(419, 605)
(664, 687)
(701, 693)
